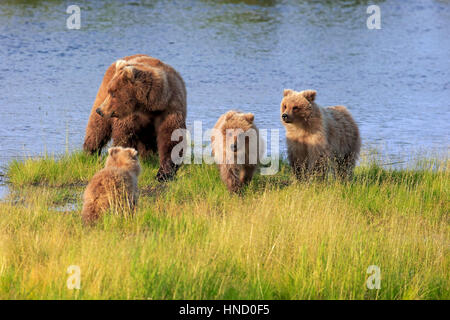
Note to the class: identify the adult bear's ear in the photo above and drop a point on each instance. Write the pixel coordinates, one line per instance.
(310, 95)
(249, 117)
(120, 64)
(129, 73)
(142, 82)
(287, 92)
(135, 74)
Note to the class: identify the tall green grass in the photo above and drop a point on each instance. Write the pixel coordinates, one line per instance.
(191, 239)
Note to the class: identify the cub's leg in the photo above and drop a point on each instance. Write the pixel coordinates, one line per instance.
(246, 174)
(345, 166)
(231, 176)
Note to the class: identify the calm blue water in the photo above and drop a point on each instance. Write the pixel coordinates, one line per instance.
(232, 54)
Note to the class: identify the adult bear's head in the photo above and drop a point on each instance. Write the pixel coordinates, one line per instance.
(134, 88)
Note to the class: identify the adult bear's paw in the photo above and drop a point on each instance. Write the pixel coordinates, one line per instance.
(168, 173)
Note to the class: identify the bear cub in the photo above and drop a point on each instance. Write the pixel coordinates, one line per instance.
(235, 147)
(114, 186)
(318, 138)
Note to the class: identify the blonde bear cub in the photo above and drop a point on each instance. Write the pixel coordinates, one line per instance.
(317, 137)
(235, 147)
(115, 185)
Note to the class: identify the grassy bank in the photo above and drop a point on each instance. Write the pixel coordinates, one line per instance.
(191, 239)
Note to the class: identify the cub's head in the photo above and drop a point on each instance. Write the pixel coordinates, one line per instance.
(237, 139)
(124, 158)
(128, 91)
(297, 106)
(237, 127)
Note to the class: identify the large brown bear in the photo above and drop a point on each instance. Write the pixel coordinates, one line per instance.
(141, 101)
(317, 137)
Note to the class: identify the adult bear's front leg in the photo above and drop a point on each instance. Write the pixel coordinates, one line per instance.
(166, 125)
(99, 129)
(98, 133)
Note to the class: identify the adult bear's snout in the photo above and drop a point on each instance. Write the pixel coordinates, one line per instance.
(285, 117)
(99, 111)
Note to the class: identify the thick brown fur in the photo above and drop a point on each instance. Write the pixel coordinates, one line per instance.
(317, 137)
(236, 125)
(140, 102)
(115, 185)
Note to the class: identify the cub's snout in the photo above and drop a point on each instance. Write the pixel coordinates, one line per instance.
(285, 117)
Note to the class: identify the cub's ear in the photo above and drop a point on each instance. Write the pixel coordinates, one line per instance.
(310, 95)
(287, 92)
(249, 117)
(114, 150)
(229, 115)
(133, 153)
